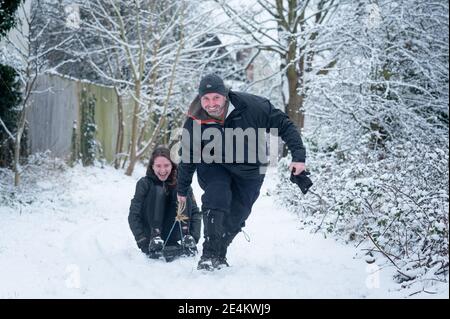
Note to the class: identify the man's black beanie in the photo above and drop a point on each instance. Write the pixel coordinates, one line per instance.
(212, 83)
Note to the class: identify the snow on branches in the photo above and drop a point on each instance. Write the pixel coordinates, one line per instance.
(377, 136)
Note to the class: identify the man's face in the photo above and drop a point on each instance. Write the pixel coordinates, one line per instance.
(213, 104)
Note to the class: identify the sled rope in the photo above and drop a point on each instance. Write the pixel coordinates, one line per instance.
(179, 218)
(247, 237)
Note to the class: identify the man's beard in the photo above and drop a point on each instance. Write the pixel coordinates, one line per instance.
(217, 115)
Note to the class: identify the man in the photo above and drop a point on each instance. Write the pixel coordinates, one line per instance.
(232, 180)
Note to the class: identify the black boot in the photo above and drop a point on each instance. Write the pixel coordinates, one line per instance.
(188, 242)
(210, 252)
(213, 222)
(213, 228)
(156, 244)
(225, 242)
(189, 245)
(205, 263)
(220, 262)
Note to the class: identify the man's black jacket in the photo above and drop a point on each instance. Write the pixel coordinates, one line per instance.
(250, 111)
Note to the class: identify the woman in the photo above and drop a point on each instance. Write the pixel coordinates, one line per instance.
(154, 207)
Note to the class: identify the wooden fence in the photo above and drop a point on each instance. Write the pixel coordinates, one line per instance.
(56, 109)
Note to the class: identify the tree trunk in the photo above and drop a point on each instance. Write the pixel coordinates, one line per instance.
(16, 159)
(21, 127)
(295, 100)
(134, 131)
(17, 144)
(126, 157)
(131, 166)
(120, 131)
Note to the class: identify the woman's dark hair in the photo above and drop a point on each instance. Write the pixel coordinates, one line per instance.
(164, 152)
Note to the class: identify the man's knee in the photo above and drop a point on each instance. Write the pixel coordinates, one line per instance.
(217, 196)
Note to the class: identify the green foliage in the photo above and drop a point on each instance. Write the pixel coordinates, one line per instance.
(10, 98)
(88, 144)
(75, 147)
(7, 18)
(9, 91)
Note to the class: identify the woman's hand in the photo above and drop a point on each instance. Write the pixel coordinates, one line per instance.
(143, 244)
(181, 199)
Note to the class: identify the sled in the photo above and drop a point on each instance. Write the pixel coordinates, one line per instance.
(171, 252)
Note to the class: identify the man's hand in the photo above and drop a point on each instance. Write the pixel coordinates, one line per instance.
(297, 167)
(181, 199)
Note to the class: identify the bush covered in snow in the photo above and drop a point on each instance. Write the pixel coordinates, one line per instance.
(398, 205)
(377, 137)
(43, 180)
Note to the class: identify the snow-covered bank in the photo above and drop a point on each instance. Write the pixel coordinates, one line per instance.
(73, 241)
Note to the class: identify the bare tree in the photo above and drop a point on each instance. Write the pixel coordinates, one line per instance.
(26, 52)
(380, 119)
(152, 51)
(289, 28)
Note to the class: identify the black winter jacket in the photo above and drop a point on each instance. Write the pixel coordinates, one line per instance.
(250, 111)
(141, 216)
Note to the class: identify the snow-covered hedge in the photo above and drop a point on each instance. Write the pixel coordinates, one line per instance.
(397, 206)
(43, 181)
(377, 137)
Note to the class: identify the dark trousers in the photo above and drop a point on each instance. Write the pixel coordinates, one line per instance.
(163, 217)
(226, 204)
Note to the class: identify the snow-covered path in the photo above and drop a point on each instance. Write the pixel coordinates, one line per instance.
(78, 245)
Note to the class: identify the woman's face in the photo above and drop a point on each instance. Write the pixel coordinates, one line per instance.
(162, 167)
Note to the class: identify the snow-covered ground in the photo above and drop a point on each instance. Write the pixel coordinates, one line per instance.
(74, 242)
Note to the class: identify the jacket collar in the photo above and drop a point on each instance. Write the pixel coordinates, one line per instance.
(154, 178)
(197, 113)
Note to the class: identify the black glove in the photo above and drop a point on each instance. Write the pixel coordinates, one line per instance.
(143, 244)
(302, 180)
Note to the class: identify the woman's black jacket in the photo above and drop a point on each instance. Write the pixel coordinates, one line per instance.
(153, 196)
